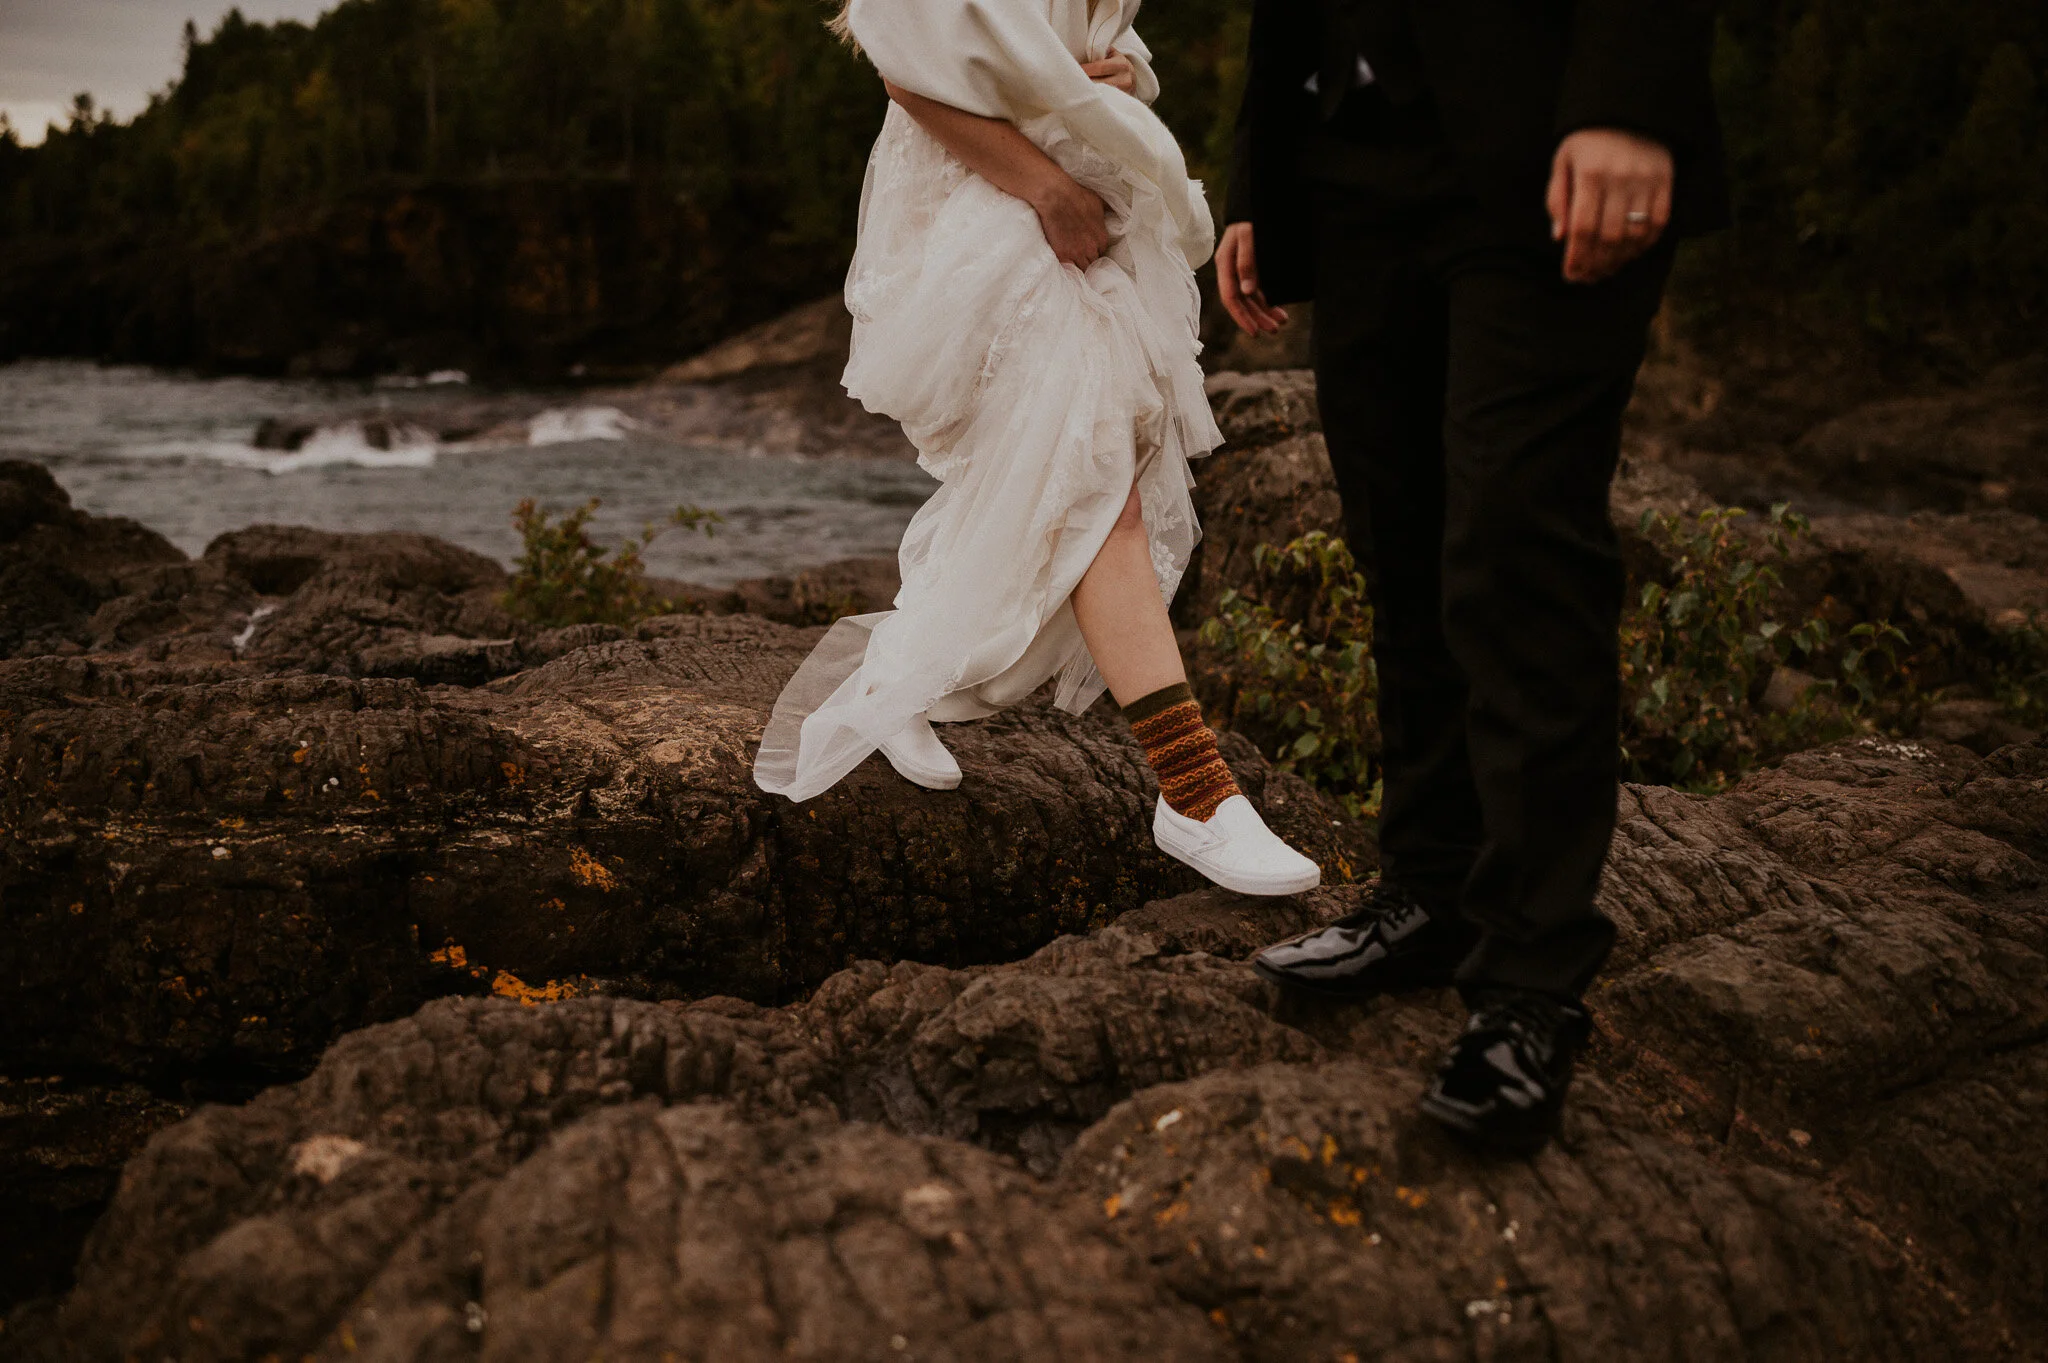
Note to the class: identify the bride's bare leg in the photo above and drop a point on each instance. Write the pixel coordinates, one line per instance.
(1124, 621)
(1122, 615)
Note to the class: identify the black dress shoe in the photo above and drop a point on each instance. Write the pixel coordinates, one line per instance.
(1390, 946)
(1502, 1085)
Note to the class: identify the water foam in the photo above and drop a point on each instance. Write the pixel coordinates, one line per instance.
(406, 447)
(569, 425)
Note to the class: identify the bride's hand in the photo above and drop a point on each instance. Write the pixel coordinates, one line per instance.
(1115, 69)
(1073, 218)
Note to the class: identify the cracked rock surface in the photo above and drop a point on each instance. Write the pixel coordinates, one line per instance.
(307, 781)
(1810, 1130)
(206, 868)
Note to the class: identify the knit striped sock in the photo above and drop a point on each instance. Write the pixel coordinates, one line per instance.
(1182, 750)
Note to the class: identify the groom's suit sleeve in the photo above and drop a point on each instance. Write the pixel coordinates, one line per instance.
(1237, 198)
(1642, 66)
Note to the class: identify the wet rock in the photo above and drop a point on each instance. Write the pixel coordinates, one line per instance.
(1810, 1131)
(275, 433)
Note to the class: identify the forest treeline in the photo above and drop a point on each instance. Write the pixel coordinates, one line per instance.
(1890, 156)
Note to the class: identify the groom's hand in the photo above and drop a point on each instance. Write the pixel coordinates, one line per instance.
(1609, 200)
(1237, 283)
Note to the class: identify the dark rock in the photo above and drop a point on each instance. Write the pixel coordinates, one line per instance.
(1810, 1131)
(774, 386)
(211, 866)
(1982, 726)
(275, 433)
(58, 564)
(62, 1146)
(814, 596)
(1269, 484)
(599, 1177)
(1981, 446)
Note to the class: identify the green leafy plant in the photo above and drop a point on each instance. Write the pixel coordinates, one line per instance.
(1699, 649)
(563, 577)
(1292, 668)
(2020, 673)
(1296, 673)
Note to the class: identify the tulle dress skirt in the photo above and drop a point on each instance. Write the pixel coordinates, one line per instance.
(1038, 395)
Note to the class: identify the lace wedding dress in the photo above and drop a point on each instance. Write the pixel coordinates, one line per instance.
(1037, 393)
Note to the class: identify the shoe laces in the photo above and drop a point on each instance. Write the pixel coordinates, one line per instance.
(1532, 1021)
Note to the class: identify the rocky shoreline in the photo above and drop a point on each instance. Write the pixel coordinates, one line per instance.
(581, 1045)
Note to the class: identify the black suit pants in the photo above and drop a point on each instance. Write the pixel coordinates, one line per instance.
(1472, 403)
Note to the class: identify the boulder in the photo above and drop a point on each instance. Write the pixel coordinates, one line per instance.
(58, 564)
(1810, 1130)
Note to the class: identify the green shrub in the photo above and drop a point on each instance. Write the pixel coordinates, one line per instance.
(1698, 650)
(1293, 670)
(1296, 674)
(2020, 673)
(563, 577)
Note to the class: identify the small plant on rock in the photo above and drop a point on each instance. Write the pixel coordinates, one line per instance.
(1296, 673)
(1700, 647)
(563, 577)
(2020, 672)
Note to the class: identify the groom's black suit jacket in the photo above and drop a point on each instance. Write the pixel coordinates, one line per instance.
(1508, 78)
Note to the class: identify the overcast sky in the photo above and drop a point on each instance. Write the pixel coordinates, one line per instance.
(121, 50)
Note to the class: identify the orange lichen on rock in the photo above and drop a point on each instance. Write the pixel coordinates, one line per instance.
(510, 986)
(455, 958)
(590, 871)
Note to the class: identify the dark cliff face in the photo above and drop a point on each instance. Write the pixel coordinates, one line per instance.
(516, 278)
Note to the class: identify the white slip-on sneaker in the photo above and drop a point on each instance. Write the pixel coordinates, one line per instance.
(916, 753)
(1235, 849)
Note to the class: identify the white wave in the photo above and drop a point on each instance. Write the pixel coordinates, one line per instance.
(407, 447)
(400, 447)
(440, 378)
(256, 617)
(568, 425)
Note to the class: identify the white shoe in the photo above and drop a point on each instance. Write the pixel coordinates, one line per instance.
(1235, 849)
(917, 755)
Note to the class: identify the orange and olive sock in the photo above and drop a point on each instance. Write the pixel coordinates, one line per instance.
(1182, 750)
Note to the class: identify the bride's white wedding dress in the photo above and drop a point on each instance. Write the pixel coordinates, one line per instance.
(1037, 393)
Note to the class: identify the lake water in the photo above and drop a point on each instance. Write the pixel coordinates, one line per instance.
(178, 453)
